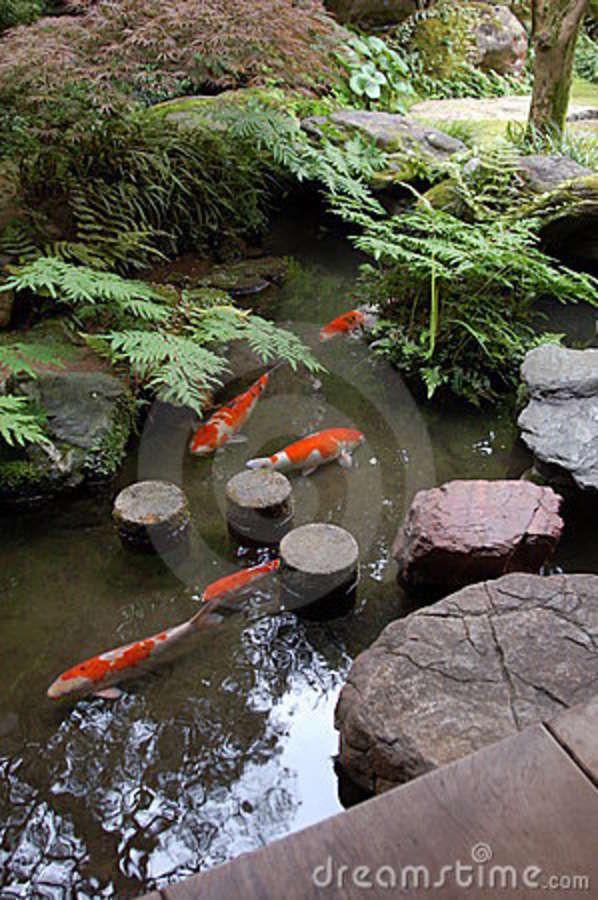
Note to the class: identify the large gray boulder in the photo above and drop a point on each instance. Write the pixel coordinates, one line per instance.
(466, 531)
(89, 416)
(560, 422)
(473, 669)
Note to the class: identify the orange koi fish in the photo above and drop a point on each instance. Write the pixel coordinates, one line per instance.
(313, 451)
(99, 674)
(344, 324)
(227, 421)
(230, 584)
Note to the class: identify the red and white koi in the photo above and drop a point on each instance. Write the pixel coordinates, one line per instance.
(98, 674)
(238, 581)
(345, 324)
(228, 420)
(313, 451)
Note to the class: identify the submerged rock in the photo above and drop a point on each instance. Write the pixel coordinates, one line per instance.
(466, 531)
(249, 276)
(560, 422)
(89, 419)
(473, 669)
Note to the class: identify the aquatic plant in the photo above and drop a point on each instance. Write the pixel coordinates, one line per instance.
(458, 298)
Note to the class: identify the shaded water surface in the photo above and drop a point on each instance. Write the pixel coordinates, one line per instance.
(232, 745)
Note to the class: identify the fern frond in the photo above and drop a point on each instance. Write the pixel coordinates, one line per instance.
(18, 424)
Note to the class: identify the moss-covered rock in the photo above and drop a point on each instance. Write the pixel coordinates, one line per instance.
(570, 217)
(411, 147)
(485, 35)
(89, 418)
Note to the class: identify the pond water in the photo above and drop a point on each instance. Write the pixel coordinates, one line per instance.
(232, 745)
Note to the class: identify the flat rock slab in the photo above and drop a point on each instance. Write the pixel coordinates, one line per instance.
(560, 422)
(472, 669)
(391, 132)
(544, 173)
(509, 108)
(466, 531)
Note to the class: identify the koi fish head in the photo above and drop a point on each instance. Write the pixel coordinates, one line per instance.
(79, 680)
(352, 438)
(205, 440)
(342, 324)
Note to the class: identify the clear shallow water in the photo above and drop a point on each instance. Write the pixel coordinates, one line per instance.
(230, 746)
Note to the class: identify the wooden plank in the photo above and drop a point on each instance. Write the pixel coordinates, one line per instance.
(523, 801)
(577, 731)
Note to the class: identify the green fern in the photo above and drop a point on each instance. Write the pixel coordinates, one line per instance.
(18, 424)
(21, 359)
(80, 286)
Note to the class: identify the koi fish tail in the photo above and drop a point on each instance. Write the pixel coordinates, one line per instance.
(205, 617)
(261, 462)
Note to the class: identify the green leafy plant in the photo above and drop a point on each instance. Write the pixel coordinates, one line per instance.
(174, 345)
(377, 75)
(19, 425)
(582, 148)
(19, 12)
(457, 299)
(586, 57)
(138, 188)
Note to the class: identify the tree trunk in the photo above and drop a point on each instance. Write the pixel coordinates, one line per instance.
(555, 26)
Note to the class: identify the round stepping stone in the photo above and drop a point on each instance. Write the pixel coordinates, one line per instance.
(259, 506)
(320, 570)
(151, 515)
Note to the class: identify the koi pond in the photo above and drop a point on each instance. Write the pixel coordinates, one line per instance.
(233, 744)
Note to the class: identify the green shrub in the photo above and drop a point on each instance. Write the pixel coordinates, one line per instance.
(586, 58)
(137, 188)
(19, 12)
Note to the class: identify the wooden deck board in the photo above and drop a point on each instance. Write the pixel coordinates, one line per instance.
(524, 798)
(577, 731)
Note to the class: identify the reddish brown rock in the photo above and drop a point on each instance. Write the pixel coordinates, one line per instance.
(468, 531)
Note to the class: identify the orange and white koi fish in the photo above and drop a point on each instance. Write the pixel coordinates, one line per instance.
(230, 584)
(313, 451)
(227, 421)
(344, 324)
(99, 674)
